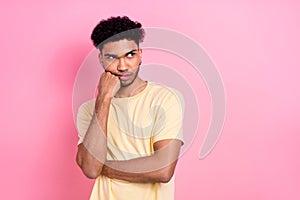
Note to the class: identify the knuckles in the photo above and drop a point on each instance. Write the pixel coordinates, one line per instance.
(108, 78)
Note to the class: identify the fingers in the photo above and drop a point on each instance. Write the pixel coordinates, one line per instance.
(108, 84)
(110, 73)
(110, 77)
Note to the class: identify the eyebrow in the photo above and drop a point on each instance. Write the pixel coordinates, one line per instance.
(114, 55)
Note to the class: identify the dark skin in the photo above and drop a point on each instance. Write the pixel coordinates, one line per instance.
(158, 167)
(108, 86)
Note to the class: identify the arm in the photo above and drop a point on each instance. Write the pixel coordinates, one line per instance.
(158, 167)
(91, 153)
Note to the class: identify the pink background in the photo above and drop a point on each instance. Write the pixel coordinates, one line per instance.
(255, 45)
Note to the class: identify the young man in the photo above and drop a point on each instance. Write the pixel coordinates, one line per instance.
(131, 134)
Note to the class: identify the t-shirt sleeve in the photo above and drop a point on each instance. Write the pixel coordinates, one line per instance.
(169, 118)
(84, 117)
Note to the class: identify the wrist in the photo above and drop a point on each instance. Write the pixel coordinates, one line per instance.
(104, 96)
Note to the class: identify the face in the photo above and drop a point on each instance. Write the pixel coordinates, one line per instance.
(122, 58)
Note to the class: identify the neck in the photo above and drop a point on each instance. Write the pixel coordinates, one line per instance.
(136, 87)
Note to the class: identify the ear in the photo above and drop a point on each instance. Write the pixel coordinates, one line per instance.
(140, 56)
(141, 53)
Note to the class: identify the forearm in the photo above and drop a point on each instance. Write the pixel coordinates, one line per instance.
(95, 138)
(92, 152)
(142, 170)
(158, 167)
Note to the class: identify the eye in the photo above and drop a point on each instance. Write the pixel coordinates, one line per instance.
(130, 55)
(110, 57)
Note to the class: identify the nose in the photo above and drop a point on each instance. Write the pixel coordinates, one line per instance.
(122, 66)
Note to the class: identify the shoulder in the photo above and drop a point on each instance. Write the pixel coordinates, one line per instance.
(86, 108)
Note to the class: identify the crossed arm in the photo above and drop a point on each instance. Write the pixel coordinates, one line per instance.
(158, 167)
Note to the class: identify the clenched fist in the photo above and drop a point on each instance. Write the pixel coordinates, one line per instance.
(108, 85)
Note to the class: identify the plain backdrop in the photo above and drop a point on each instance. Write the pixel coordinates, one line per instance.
(254, 44)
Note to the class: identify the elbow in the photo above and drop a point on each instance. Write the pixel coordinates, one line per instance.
(91, 174)
(166, 176)
(90, 169)
(165, 179)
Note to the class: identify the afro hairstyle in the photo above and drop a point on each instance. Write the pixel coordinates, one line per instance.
(115, 29)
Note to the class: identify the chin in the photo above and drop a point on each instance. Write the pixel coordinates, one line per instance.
(126, 83)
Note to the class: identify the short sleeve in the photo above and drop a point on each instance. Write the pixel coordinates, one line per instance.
(84, 117)
(169, 117)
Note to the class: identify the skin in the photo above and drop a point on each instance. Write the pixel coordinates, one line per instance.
(121, 60)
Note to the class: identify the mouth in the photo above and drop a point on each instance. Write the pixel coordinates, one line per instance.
(124, 77)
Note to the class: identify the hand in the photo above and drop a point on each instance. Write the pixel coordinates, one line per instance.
(108, 85)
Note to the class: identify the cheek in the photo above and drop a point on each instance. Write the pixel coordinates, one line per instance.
(134, 63)
(111, 67)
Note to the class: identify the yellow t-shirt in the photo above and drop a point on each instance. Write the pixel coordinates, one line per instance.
(134, 125)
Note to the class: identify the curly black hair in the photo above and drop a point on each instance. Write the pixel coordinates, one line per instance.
(115, 29)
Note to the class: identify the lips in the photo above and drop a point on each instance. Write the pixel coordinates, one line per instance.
(124, 77)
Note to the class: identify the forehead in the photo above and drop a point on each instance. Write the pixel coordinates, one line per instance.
(119, 47)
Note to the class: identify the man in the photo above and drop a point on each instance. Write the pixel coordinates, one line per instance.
(130, 135)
